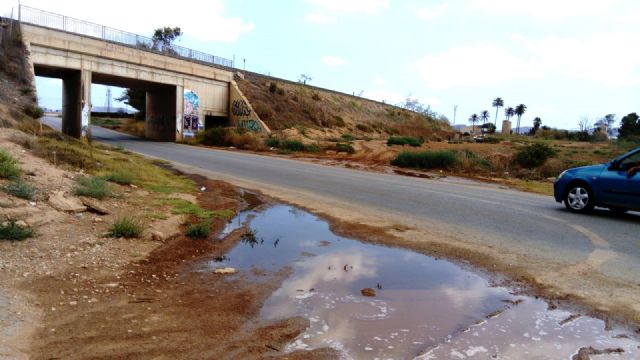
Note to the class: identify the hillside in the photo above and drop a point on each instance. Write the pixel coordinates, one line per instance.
(18, 102)
(323, 114)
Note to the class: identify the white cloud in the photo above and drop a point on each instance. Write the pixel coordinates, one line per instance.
(429, 13)
(332, 60)
(473, 65)
(543, 9)
(320, 19)
(201, 19)
(351, 6)
(605, 58)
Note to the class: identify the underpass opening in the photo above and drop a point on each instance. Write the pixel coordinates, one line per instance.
(211, 121)
(160, 104)
(72, 96)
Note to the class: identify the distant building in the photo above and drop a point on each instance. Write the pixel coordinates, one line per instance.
(114, 110)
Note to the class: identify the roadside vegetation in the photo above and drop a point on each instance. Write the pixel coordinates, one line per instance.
(126, 227)
(13, 231)
(93, 187)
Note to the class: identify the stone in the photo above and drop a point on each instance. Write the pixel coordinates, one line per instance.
(225, 271)
(368, 292)
(6, 202)
(157, 235)
(67, 204)
(22, 224)
(94, 205)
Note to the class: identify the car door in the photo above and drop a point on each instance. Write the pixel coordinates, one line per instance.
(617, 187)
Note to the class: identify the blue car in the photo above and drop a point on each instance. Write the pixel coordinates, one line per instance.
(614, 185)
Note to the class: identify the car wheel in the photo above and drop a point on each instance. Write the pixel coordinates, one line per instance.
(618, 211)
(579, 198)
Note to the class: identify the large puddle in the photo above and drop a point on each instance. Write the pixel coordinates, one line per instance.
(423, 307)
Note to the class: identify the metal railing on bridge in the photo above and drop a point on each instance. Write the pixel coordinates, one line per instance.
(47, 19)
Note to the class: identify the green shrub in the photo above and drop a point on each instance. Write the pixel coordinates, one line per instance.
(8, 166)
(533, 155)
(273, 87)
(92, 187)
(121, 177)
(316, 97)
(216, 136)
(491, 140)
(347, 137)
(363, 127)
(34, 111)
(340, 147)
(426, 159)
(12, 231)
(293, 145)
(272, 142)
(26, 90)
(405, 140)
(21, 189)
(126, 227)
(339, 121)
(200, 230)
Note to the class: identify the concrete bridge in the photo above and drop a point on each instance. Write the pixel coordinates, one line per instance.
(183, 95)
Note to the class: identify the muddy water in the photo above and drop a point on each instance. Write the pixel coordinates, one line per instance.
(423, 307)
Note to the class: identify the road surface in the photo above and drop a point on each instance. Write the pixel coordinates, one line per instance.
(521, 221)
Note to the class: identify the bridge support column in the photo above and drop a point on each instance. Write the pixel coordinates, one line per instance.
(161, 114)
(76, 102)
(179, 112)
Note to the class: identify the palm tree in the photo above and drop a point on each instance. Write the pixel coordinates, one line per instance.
(497, 103)
(520, 110)
(509, 112)
(473, 119)
(484, 115)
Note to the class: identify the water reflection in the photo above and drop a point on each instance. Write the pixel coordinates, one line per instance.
(423, 307)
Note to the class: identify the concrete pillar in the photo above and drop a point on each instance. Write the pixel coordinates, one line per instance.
(72, 103)
(76, 102)
(179, 111)
(85, 120)
(161, 113)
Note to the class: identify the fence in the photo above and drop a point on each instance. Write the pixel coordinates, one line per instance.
(47, 19)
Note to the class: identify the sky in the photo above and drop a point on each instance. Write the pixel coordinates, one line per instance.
(563, 59)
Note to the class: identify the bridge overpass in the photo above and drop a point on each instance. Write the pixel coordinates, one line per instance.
(186, 90)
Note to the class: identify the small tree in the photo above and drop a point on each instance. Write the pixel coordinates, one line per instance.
(484, 115)
(630, 126)
(136, 98)
(163, 38)
(536, 125)
(509, 112)
(304, 78)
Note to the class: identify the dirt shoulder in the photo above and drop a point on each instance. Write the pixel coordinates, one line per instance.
(71, 292)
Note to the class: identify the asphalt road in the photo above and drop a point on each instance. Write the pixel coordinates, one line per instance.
(489, 214)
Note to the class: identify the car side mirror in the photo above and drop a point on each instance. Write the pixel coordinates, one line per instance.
(614, 165)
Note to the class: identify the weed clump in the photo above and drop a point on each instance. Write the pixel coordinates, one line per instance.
(119, 177)
(214, 137)
(92, 187)
(534, 155)
(8, 166)
(347, 148)
(21, 189)
(126, 227)
(200, 230)
(405, 140)
(12, 231)
(426, 159)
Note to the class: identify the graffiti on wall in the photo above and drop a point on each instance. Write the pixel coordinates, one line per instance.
(191, 122)
(250, 125)
(240, 108)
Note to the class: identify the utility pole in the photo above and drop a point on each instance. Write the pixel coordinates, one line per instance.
(108, 100)
(455, 110)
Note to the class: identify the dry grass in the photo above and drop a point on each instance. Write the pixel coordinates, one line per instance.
(284, 106)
